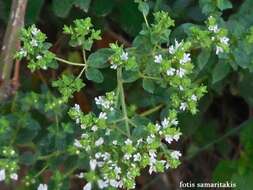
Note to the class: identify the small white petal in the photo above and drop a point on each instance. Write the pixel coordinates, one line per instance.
(14, 176)
(2, 175)
(42, 187)
(87, 186)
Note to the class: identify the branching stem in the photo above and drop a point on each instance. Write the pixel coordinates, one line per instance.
(122, 99)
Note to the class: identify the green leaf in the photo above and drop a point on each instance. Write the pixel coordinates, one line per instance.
(144, 8)
(224, 170)
(28, 158)
(83, 4)
(62, 7)
(148, 85)
(243, 182)
(102, 8)
(241, 57)
(220, 71)
(224, 4)
(94, 75)
(129, 9)
(246, 135)
(33, 10)
(99, 58)
(203, 58)
(130, 76)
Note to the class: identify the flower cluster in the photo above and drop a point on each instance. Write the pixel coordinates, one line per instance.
(106, 103)
(35, 49)
(121, 58)
(218, 36)
(176, 67)
(8, 164)
(116, 160)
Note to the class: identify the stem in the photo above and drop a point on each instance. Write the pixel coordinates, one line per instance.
(69, 62)
(80, 74)
(145, 18)
(41, 171)
(148, 77)
(45, 157)
(150, 111)
(122, 98)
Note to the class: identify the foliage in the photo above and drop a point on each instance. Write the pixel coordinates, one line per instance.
(182, 50)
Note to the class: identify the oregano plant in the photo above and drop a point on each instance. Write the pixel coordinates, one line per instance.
(117, 141)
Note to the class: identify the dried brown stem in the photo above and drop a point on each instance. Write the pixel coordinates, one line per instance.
(16, 22)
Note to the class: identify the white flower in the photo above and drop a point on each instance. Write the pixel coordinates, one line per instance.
(219, 50)
(102, 184)
(35, 31)
(167, 165)
(113, 66)
(102, 115)
(137, 157)
(128, 142)
(165, 123)
(117, 170)
(194, 97)
(108, 132)
(186, 58)
(14, 176)
(22, 52)
(176, 136)
(2, 175)
(152, 154)
(77, 120)
(183, 106)
(168, 139)
(180, 72)
(106, 104)
(124, 56)
(173, 49)
(84, 136)
(94, 128)
(224, 40)
(175, 154)
(93, 164)
(42, 187)
(34, 43)
(127, 156)
(214, 28)
(98, 155)
(106, 156)
(87, 186)
(151, 169)
(38, 57)
(158, 58)
(150, 139)
(158, 127)
(139, 141)
(181, 88)
(77, 144)
(99, 142)
(115, 183)
(171, 71)
(114, 142)
(77, 108)
(81, 175)
(174, 122)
